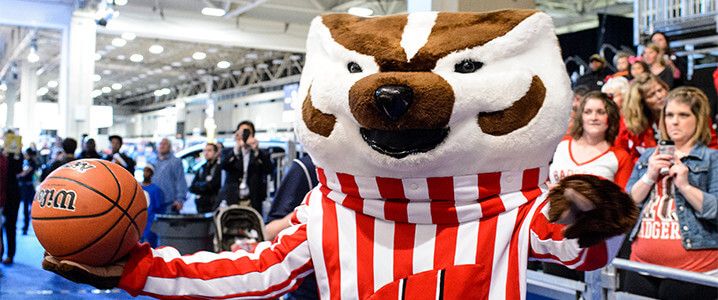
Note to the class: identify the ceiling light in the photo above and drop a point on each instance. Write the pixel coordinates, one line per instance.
(251, 55)
(129, 36)
(167, 68)
(212, 50)
(236, 72)
(142, 76)
(32, 57)
(248, 69)
(214, 12)
(199, 55)
(136, 57)
(187, 59)
(294, 57)
(150, 72)
(116, 86)
(201, 72)
(118, 42)
(98, 56)
(121, 57)
(52, 84)
(106, 89)
(223, 64)
(176, 64)
(360, 11)
(157, 93)
(164, 81)
(158, 71)
(109, 47)
(120, 2)
(262, 66)
(277, 61)
(96, 93)
(96, 78)
(166, 91)
(42, 91)
(106, 72)
(156, 49)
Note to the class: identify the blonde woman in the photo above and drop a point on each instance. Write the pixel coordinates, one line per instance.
(641, 109)
(653, 56)
(678, 225)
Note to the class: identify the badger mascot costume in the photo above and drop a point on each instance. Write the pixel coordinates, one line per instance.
(432, 133)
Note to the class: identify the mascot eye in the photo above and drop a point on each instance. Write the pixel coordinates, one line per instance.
(354, 67)
(467, 66)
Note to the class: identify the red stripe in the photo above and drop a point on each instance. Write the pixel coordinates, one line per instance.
(530, 179)
(597, 257)
(404, 234)
(321, 176)
(330, 248)
(441, 193)
(348, 184)
(421, 286)
(512, 279)
(395, 207)
(445, 246)
(489, 184)
(485, 254)
(492, 206)
(365, 255)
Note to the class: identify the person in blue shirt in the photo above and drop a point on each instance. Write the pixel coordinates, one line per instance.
(169, 176)
(155, 203)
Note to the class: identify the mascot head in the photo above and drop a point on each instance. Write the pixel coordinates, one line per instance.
(433, 94)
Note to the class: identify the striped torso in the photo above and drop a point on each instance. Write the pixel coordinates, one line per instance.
(381, 238)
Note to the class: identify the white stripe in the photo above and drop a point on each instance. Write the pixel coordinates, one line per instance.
(374, 207)
(524, 244)
(333, 181)
(423, 258)
(216, 287)
(347, 252)
(368, 188)
(513, 200)
(416, 32)
(415, 188)
(511, 182)
(314, 233)
(504, 229)
(383, 253)
(466, 188)
(565, 249)
(418, 212)
(543, 175)
(466, 239)
(467, 212)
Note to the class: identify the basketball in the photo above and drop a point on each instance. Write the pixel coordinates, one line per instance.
(89, 211)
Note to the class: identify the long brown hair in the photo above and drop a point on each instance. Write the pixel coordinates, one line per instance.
(636, 114)
(611, 111)
(698, 102)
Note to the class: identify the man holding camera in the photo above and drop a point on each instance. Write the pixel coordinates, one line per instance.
(247, 168)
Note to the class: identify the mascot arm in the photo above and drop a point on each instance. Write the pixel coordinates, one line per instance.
(585, 231)
(270, 271)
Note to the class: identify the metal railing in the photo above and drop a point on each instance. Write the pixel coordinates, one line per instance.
(603, 284)
(664, 15)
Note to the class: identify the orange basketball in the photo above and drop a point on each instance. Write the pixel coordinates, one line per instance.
(89, 211)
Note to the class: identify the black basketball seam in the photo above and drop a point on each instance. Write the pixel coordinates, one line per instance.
(100, 236)
(119, 195)
(114, 204)
(122, 239)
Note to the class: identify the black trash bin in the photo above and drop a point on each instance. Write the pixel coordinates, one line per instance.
(187, 233)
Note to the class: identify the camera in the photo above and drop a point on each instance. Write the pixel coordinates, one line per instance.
(245, 134)
(666, 147)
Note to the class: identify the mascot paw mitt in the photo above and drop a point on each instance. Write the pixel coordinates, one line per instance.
(432, 134)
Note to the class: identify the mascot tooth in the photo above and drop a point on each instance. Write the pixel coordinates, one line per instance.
(432, 133)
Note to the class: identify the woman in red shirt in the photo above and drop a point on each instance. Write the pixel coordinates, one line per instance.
(638, 128)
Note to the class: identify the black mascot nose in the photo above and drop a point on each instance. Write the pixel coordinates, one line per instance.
(393, 100)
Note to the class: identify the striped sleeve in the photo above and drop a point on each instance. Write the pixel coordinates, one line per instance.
(271, 270)
(548, 244)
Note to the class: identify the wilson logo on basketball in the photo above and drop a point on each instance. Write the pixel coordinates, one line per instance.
(61, 199)
(79, 166)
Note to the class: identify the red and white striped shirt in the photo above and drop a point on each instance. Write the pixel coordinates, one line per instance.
(379, 238)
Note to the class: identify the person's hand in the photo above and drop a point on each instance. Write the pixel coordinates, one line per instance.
(252, 143)
(106, 277)
(657, 162)
(579, 204)
(177, 205)
(679, 172)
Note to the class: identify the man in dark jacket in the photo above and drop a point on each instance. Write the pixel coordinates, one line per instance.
(120, 158)
(247, 168)
(207, 181)
(12, 200)
(69, 145)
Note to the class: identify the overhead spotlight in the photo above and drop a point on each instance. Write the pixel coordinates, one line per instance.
(214, 12)
(128, 36)
(262, 66)
(176, 64)
(360, 11)
(156, 49)
(98, 56)
(109, 47)
(32, 57)
(277, 61)
(201, 72)
(212, 50)
(120, 2)
(223, 64)
(167, 68)
(52, 84)
(118, 42)
(116, 86)
(251, 55)
(187, 59)
(106, 89)
(96, 93)
(236, 72)
(199, 55)
(106, 72)
(121, 57)
(295, 57)
(104, 14)
(42, 91)
(96, 78)
(136, 57)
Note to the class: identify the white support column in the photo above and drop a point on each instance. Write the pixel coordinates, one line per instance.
(10, 100)
(28, 98)
(209, 123)
(76, 69)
